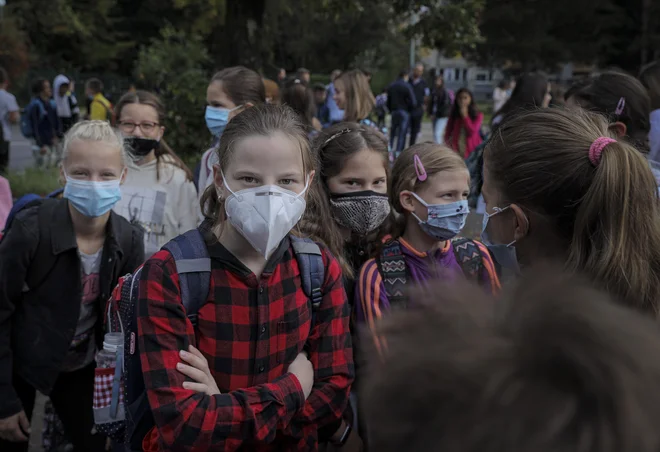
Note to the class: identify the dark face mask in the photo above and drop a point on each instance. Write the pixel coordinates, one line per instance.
(361, 212)
(140, 147)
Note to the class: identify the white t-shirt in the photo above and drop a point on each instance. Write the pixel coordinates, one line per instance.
(7, 105)
(164, 208)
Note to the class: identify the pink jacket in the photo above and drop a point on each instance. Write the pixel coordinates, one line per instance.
(6, 201)
(472, 135)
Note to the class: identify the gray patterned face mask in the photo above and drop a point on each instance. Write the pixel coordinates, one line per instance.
(361, 211)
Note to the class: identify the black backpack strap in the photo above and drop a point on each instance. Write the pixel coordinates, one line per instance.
(392, 268)
(193, 265)
(312, 270)
(468, 255)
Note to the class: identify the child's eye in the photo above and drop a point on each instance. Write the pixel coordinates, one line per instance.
(248, 179)
(379, 182)
(352, 183)
(286, 182)
(466, 194)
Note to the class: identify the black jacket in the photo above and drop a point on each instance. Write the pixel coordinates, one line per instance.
(440, 104)
(400, 96)
(41, 292)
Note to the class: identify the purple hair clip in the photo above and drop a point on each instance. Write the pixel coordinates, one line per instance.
(419, 169)
(620, 106)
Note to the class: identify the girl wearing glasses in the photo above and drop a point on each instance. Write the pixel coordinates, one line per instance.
(159, 194)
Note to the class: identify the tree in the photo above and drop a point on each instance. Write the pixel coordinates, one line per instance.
(451, 26)
(14, 57)
(175, 66)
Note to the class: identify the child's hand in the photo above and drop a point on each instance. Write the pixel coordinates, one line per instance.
(197, 368)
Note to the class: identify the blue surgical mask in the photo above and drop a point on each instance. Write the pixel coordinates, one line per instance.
(92, 198)
(444, 221)
(217, 119)
(505, 255)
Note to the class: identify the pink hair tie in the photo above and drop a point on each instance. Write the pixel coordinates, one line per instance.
(419, 168)
(597, 147)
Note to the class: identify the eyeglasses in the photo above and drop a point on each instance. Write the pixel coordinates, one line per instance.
(129, 127)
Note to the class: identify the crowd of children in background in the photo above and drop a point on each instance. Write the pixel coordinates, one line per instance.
(306, 286)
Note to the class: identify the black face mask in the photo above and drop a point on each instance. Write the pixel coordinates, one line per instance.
(361, 212)
(140, 147)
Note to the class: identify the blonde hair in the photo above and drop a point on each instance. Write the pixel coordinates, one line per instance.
(98, 131)
(264, 120)
(360, 101)
(606, 214)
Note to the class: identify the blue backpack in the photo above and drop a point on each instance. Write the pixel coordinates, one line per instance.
(24, 202)
(193, 265)
(27, 127)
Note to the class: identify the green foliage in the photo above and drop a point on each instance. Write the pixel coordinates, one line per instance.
(13, 49)
(33, 180)
(448, 25)
(175, 66)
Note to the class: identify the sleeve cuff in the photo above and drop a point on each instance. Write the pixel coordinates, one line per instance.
(291, 392)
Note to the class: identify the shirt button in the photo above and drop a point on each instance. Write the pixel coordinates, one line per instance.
(261, 369)
(261, 290)
(263, 329)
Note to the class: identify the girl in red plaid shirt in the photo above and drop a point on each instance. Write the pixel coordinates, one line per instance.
(262, 375)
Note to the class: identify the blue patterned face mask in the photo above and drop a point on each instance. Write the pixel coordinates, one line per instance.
(217, 119)
(92, 198)
(445, 221)
(504, 254)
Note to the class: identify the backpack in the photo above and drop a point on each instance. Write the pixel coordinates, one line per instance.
(24, 202)
(27, 127)
(194, 268)
(392, 267)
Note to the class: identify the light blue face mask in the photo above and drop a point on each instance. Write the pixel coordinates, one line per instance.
(505, 255)
(217, 119)
(92, 198)
(444, 221)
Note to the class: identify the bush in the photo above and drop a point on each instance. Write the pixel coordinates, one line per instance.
(175, 66)
(33, 180)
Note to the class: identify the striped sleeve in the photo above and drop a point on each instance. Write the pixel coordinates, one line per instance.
(488, 272)
(371, 298)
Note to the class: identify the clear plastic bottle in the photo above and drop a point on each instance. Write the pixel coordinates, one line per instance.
(107, 358)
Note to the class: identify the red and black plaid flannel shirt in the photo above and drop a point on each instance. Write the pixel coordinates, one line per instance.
(250, 330)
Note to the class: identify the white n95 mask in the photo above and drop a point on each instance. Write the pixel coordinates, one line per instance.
(264, 215)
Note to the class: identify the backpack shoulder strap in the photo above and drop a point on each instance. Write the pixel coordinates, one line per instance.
(468, 257)
(392, 267)
(312, 270)
(193, 265)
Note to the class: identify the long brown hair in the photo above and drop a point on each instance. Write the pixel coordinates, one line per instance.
(150, 99)
(333, 147)
(360, 101)
(434, 157)
(607, 214)
(266, 119)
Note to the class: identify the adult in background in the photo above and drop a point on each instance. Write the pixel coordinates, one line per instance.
(501, 94)
(9, 114)
(439, 108)
(422, 93)
(281, 77)
(99, 108)
(45, 124)
(68, 111)
(336, 113)
(401, 102)
(304, 75)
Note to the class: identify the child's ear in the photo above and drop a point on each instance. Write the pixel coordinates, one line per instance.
(406, 200)
(217, 176)
(310, 178)
(619, 128)
(62, 179)
(122, 178)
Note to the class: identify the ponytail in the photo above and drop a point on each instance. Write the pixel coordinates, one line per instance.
(602, 213)
(616, 237)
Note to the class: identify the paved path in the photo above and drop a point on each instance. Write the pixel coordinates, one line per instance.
(20, 151)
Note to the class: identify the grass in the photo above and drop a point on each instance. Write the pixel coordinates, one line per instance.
(33, 180)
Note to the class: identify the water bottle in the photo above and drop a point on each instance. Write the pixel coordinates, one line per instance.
(107, 358)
